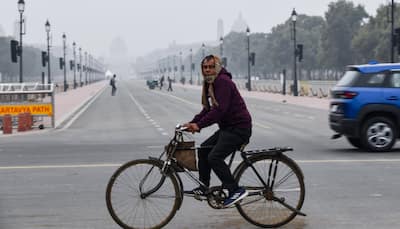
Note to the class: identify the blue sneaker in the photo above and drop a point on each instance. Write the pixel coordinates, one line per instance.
(235, 196)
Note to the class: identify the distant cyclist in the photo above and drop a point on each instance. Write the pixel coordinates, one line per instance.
(222, 104)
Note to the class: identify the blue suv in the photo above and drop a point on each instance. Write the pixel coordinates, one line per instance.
(365, 106)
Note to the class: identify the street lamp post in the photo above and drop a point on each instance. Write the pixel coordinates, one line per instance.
(47, 26)
(64, 37)
(21, 8)
(90, 76)
(86, 69)
(174, 63)
(392, 33)
(248, 59)
(191, 66)
(181, 66)
(74, 53)
(203, 49)
(80, 66)
(221, 43)
(294, 18)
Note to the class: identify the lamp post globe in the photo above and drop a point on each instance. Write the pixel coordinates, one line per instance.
(21, 6)
(294, 15)
(47, 26)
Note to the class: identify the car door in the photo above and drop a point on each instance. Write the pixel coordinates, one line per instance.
(391, 91)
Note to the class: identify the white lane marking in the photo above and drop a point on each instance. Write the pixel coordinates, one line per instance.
(177, 98)
(348, 161)
(143, 111)
(155, 147)
(328, 161)
(59, 166)
(261, 125)
(236, 162)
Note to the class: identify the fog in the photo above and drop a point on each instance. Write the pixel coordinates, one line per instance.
(151, 24)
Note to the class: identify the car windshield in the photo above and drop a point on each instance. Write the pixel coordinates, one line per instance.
(348, 78)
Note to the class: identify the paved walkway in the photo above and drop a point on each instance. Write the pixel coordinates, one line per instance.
(69, 102)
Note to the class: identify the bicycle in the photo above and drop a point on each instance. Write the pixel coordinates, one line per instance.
(146, 193)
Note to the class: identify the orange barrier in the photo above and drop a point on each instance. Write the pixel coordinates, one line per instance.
(28, 121)
(7, 124)
(21, 122)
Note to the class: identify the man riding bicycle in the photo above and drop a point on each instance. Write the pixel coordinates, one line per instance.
(222, 104)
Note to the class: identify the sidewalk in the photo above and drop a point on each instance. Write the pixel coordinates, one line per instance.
(312, 102)
(69, 102)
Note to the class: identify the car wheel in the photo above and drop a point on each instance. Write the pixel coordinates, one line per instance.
(356, 142)
(378, 134)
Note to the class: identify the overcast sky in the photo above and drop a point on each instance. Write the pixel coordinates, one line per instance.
(149, 24)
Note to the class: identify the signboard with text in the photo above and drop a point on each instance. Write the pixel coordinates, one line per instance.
(34, 109)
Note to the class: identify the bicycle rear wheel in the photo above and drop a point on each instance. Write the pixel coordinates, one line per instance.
(261, 207)
(130, 208)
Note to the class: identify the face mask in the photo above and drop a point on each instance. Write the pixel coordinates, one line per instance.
(210, 78)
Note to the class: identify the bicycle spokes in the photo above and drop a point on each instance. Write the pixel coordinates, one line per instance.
(276, 191)
(140, 196)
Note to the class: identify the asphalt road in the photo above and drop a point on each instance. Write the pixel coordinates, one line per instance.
(57, 178)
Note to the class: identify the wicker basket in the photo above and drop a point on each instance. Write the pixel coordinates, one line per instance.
(185, 155)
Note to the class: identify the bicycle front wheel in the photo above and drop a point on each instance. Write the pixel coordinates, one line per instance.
(139, 195)
(265, 207)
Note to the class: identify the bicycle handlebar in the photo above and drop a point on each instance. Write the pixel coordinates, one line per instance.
(180, 128)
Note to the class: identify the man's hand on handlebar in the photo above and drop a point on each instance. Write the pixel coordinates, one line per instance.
(192, 127)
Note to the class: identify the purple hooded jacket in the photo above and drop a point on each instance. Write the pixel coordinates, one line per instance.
(231, 110)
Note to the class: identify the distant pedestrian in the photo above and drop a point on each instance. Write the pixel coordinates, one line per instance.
(169, 84)
(112, 83)
(161, 82)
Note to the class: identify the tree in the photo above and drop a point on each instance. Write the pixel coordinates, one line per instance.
(343, 21)
(372, 42)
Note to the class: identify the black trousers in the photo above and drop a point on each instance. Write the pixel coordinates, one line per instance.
(223, 143)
